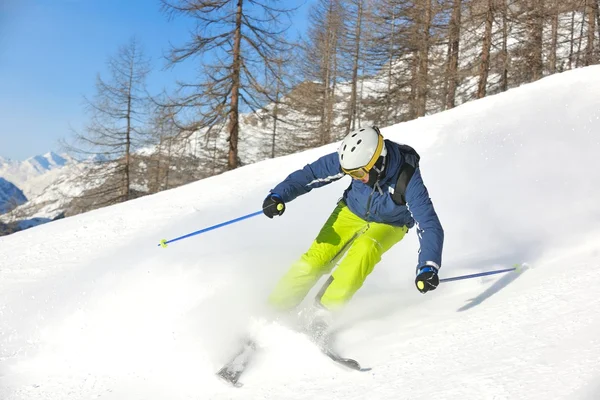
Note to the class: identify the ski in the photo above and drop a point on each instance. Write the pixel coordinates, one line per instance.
(346, 362)
(232, 371)
(323, 338)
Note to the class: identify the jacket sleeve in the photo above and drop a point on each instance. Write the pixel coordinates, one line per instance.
(322, 172)
(429, 228)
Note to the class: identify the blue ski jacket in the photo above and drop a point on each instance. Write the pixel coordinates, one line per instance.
(372, 205)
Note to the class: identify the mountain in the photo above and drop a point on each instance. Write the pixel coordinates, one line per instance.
(34, 174)
(93, 308)
(10, 196)
(46, 181)
(47, 162)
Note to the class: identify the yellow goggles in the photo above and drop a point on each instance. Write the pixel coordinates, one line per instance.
(361, 172)
(357, 173)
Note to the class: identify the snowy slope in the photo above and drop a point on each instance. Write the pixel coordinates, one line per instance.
(90, 307)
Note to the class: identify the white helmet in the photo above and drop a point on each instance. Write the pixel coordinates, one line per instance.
(361, 149)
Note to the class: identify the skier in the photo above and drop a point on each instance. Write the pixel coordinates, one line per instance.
(384, 200)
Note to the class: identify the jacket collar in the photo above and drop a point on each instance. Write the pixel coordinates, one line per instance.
(393, 163)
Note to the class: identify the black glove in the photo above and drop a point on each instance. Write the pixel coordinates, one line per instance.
(427, 278)
(273, 205)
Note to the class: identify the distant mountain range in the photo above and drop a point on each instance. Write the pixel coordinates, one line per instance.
(31, 175)
(23, 183)
(42, 187)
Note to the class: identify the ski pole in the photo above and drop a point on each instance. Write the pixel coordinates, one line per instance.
(164, 242)
(517, 268)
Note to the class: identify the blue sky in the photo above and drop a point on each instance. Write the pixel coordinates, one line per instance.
(52, 50)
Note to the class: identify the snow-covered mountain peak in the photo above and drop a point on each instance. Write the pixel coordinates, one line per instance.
(46, 162)
(56, 159)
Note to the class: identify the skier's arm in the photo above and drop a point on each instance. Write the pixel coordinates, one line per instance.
(322, 172)
(429, 228)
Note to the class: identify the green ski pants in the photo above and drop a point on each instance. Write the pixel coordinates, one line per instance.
(363, 242)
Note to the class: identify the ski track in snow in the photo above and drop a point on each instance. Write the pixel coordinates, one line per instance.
(91, 307)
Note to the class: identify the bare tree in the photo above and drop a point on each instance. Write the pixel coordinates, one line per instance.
(387, 52)
(117, 125)
(555, 14)
(354, 41)
(580, 38)
(321, 61)
(275, 113)
(572, 41)
(538, 13)
(426, 16)
(235, 41)
(484, 67)
(165, 134)
(505, 53)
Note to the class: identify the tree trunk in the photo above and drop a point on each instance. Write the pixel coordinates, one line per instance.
(453, 51)
(359, 104)
(554, 42)
(572, 41)
(334, 77)
(276, 107)
(505, 55)
(158, 164)
(234, 124)
(126, 191)
(414, 80)
(275, 116)
(326, 95)
(579, 43)
(355, 65)
(537, 36)
(168, 166)
(390, 77)
(590, 56)
(327, 70)
(484, 67)
(598, 27)
(422, 87)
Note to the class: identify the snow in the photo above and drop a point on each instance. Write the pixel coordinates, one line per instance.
(91, 307)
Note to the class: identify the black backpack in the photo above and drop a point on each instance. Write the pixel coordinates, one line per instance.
(411, 163)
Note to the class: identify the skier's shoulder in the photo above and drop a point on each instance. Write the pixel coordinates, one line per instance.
(407, 152)
(328, 161)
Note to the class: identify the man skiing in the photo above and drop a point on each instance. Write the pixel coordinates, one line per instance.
(384, 200)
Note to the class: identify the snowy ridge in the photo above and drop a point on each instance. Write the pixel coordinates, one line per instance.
(92, 308)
